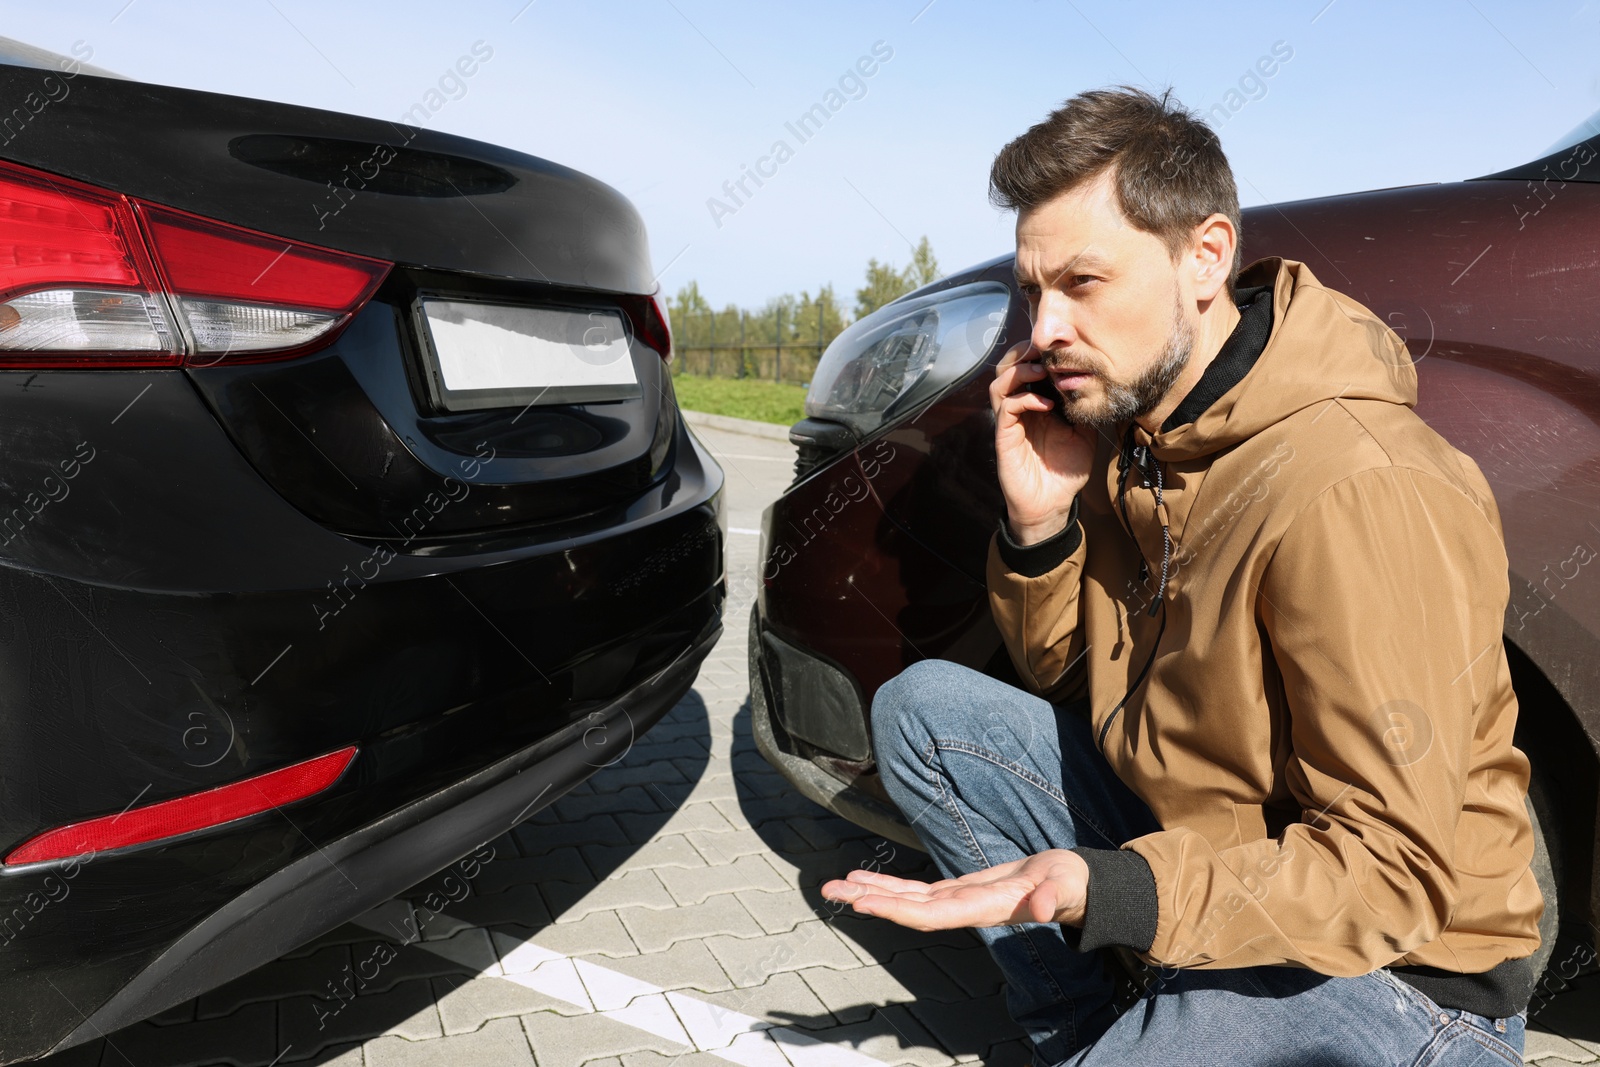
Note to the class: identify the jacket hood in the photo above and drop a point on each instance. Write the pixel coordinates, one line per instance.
(1323, 347)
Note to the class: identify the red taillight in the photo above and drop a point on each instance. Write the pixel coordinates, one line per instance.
(650, 323)
(52, 230)
(182, 815)
(75, 280)
(78, 288)
(210, 260)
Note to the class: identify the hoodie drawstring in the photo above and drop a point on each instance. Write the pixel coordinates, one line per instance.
(1129, 455)
(1166, 544)
(1132, 455)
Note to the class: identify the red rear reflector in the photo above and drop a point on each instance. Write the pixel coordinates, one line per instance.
(216, 261)
(182, 815)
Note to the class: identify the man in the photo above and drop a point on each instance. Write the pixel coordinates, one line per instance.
(1257, 602)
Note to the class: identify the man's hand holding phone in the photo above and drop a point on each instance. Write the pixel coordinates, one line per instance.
(1043, 460)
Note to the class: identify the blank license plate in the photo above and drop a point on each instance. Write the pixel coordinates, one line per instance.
(501, 355)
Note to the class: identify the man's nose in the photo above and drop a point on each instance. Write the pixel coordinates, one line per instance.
(1053, 325)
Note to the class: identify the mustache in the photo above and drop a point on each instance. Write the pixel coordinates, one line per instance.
(1067, 363)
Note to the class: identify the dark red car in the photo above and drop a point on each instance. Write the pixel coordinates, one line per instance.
(874, 557)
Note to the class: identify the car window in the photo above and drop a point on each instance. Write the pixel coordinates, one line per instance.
(1589, 127)
(21, 54)
(1573, 158)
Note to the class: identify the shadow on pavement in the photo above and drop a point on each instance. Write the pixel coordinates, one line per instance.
(942, 969)
(1567, 1006)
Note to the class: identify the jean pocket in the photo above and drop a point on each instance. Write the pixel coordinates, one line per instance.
(1502, 1037)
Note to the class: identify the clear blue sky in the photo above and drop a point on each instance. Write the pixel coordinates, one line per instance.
(669, 99)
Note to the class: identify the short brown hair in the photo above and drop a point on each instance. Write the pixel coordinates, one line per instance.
(1167, 164)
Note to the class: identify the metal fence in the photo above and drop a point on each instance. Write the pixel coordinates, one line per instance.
(764, 346)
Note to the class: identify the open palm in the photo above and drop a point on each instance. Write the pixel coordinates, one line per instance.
(1048, 887)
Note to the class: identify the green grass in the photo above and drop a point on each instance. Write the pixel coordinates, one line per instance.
(743, 398)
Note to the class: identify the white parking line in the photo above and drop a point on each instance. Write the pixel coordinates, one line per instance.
(689, 1021)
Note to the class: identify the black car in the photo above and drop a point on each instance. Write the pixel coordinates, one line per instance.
(346, 519)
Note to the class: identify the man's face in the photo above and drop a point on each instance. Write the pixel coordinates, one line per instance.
(1111, 320)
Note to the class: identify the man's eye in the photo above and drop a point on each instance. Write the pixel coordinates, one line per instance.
(1083, 279)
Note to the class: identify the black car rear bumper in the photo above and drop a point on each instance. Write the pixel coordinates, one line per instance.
(169, 624)
(346, 877)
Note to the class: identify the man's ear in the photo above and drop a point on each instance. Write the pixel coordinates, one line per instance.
(1211, 255)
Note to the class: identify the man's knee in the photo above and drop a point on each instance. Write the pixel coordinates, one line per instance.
(908, 705)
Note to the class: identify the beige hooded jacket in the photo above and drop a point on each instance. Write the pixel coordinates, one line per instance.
(1320, 711)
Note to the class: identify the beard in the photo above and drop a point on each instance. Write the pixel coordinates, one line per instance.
(1130, 400)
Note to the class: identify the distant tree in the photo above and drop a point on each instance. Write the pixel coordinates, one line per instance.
(923, 267)
(691, 323)
(819, 318)
(807, 323)
(687, 304)
(885, 282)
(730, 363)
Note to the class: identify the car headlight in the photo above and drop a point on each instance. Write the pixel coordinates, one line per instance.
(905, 353)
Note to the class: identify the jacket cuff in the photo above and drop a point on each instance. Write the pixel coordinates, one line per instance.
(1033, 561)
(1122, 905)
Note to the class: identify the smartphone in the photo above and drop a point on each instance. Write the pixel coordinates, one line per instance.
(1042, 386)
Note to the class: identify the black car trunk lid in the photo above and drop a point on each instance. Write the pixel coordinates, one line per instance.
(357, 434)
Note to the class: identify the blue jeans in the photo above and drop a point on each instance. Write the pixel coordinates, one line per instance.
(988, 773)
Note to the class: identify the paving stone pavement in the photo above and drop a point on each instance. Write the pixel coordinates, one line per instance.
(663, 914)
